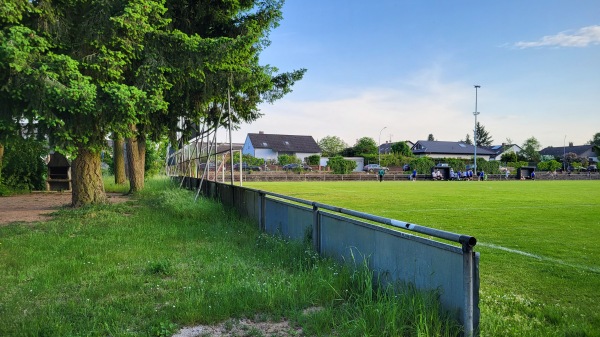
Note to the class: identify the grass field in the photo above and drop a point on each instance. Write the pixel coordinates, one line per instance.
(539, 242)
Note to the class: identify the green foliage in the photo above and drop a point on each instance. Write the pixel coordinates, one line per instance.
(251, 160)
(285, 159)
(155, 157)
(509, 157)
(315, 159)
(401, 148)
(530, 150)
(517, 164)
(332, 145)
(423, 165)
(550, 165)
(22, 166)
(483, 137)
(339, 165)
(390, 160)
(365, 146)
(430, 137)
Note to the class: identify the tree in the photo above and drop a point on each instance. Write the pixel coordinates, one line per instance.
(509, 157)
(530, 149)
(332, 145)
(468, 140)
(430, 137)
(402, 148)
(595, 141)
(85, 69)
(483, 137)
(364, 146)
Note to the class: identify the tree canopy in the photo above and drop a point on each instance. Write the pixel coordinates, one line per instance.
(332, 145)
(402, 148)
(365, 145)
(85, 69)
(483, 137)
(530, 149)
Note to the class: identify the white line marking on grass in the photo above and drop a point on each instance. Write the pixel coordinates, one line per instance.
(538, 257)
(499, 208)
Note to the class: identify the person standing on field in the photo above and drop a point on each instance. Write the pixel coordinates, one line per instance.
(381, 174)
(414, 175)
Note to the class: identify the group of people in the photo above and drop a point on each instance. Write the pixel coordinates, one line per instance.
(465, 175)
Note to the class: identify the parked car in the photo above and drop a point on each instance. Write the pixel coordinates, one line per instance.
(247, 167)
(374, 168)
(291, 167)
(592, 168)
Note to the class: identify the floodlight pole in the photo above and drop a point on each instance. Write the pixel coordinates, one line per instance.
(379, 146)
(564, 154)
(475, 131)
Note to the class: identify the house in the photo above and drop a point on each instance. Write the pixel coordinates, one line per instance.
(439, 149)
(271, 146)
(499, 150)
(582, 151)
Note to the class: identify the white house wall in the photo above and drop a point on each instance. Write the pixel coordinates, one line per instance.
(265, 154)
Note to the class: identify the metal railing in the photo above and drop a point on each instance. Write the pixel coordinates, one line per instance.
(390, 249)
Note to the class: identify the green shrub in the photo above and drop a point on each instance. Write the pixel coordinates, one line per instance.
(285, 159)
(22, 166)
(315, 159)
(339, 165)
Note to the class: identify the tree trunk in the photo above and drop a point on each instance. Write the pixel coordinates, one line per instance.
(136, 150)
(1, 157)
(88, 187)
(119, 159)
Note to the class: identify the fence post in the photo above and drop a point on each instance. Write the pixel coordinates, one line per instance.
(262, 211)
(316, 229)
(469, 285)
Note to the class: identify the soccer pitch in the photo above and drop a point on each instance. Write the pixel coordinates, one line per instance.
(539, 242)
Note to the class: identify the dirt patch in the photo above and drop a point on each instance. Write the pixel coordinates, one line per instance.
(242, 327)
(38, 206)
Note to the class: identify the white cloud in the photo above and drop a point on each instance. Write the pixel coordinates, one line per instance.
(583, 37)
(410, 111)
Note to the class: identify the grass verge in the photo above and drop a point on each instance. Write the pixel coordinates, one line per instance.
(162, 261)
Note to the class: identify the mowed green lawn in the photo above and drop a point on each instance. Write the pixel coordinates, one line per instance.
(539, 242)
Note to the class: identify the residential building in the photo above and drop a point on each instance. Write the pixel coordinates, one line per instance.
(440, 149)
(499, 150)
(271, 146)
(582, 151)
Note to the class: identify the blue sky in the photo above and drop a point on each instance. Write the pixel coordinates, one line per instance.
(410, 66)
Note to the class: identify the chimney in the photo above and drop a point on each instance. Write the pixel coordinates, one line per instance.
(261, 132)
(570, 144)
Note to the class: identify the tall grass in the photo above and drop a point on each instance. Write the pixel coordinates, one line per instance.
(162, 261)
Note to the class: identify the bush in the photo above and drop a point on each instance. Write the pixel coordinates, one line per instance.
(423, 165)
(339, 165)
(315, 159)
(285, 159)
(22, 166)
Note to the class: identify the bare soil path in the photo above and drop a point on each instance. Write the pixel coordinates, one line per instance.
(38, 206)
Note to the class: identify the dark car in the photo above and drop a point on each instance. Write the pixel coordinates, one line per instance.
(291, 167)
(374, 168)
(592, 168)
(247, 167)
